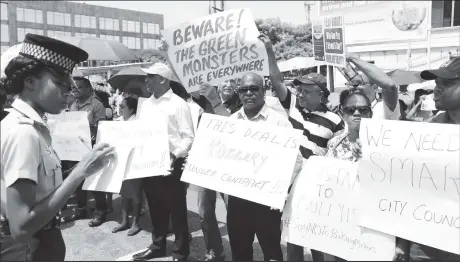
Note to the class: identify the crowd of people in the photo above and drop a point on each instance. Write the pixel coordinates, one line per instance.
(36, 185)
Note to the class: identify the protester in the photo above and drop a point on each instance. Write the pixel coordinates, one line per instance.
(245, 218)
(446, 98)
(31, 180)
(307, 112)
(87, 102)
(357, 105)
(166, 194)
(130, 192)
(228, 96)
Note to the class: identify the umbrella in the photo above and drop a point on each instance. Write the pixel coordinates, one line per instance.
(122, 78)
(101, 49)
(403, 77)
(7, 56)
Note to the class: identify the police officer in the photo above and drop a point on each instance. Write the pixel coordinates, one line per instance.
(32, 189)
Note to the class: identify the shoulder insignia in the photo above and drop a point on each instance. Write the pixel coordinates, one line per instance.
(25, 120)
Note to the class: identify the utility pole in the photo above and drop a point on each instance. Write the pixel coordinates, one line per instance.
(216, 6)
(307, 6)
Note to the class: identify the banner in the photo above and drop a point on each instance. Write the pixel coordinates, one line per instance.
(380, 21)
(141, 148)
(253, 161)
(70, 134)
(410, 181)
(216, 48)
(321, 213)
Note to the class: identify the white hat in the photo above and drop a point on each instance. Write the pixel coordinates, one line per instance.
(159, 69)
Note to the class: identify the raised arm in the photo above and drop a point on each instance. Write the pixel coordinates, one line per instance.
(275, 75)
(379, 77)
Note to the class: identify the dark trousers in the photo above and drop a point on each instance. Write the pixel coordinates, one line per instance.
(207, 211)
(246, 219)
(166, 197)
(44, 246)
(296, 253)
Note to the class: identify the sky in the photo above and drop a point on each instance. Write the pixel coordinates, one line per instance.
(176, 12)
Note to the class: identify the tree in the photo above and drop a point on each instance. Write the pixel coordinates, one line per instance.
(288, 40)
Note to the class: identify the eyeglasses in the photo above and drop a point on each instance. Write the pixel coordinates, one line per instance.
(363, 110)
(252, 89)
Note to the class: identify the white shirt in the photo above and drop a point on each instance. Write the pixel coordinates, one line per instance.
(196, 111)
(179, 120)
(381, 111)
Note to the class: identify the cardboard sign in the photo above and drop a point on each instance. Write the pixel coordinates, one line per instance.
(216, 48)
(410, 181)
(321, 213)
(318, 40)
(380, 21)
(67, 130)
(142, 150)
(253, 161)
(334, 43)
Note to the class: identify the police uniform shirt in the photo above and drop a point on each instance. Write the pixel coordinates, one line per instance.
(26, 153)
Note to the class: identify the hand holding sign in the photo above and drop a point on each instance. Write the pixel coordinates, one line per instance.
(95, 161)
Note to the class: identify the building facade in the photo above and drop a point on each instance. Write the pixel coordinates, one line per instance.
(136, 30)
(442, 39)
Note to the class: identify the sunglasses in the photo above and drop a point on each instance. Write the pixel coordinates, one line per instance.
(363, 110)
(252, 89)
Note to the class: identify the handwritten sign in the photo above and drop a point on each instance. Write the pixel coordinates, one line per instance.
(216, 48)
(243, 159)
(334, 43)
(142, 150)
(410, 181)
(66, 130)
(321, 213)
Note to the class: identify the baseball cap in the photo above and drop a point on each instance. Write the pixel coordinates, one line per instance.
(448, 70)
(159, 69)
(313, 79)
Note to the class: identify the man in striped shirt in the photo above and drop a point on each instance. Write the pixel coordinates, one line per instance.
(308, 112)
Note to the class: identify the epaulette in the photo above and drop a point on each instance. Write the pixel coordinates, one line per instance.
(25, 120)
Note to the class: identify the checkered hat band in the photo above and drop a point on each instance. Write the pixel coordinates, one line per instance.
(41, 53)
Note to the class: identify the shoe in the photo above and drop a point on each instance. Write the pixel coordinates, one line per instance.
(212, 256)
(120, 227)
(97, 221)
(134, 230)
(79, 213)
(148, 254)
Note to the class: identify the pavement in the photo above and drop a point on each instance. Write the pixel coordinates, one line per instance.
(100, 244)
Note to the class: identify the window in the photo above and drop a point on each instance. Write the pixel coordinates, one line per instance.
(78, 34)
(138, 43)
(4, 48)
(149, 28)
(22, 32)
(56, 18)
(59, 34)
(131, 26)
(445, 13)
(5, 37)
(157, 29)
(108, 24)
(149, 44)
(29, 15)
(130, 42)
(4, 11)
(85, 21)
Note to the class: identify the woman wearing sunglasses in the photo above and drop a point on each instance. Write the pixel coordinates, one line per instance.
(32, 190)
(355, 106)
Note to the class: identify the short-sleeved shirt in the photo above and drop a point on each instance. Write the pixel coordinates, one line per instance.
(381, 111)
(26, 153)
(96, 111)
(318, 127)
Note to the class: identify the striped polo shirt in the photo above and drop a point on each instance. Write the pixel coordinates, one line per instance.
(318, 126)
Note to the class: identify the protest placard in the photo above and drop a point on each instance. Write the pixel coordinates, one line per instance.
(243, 159)
(142, 150)
(321, 213)
(67, 130)
(318, 40)
(428, 103)
(334, 43)
(216, 48)
(410, 181)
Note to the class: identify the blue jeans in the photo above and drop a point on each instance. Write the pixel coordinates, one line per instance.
(208, 219)
(422, 252)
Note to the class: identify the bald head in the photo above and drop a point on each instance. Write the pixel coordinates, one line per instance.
(252, 79)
